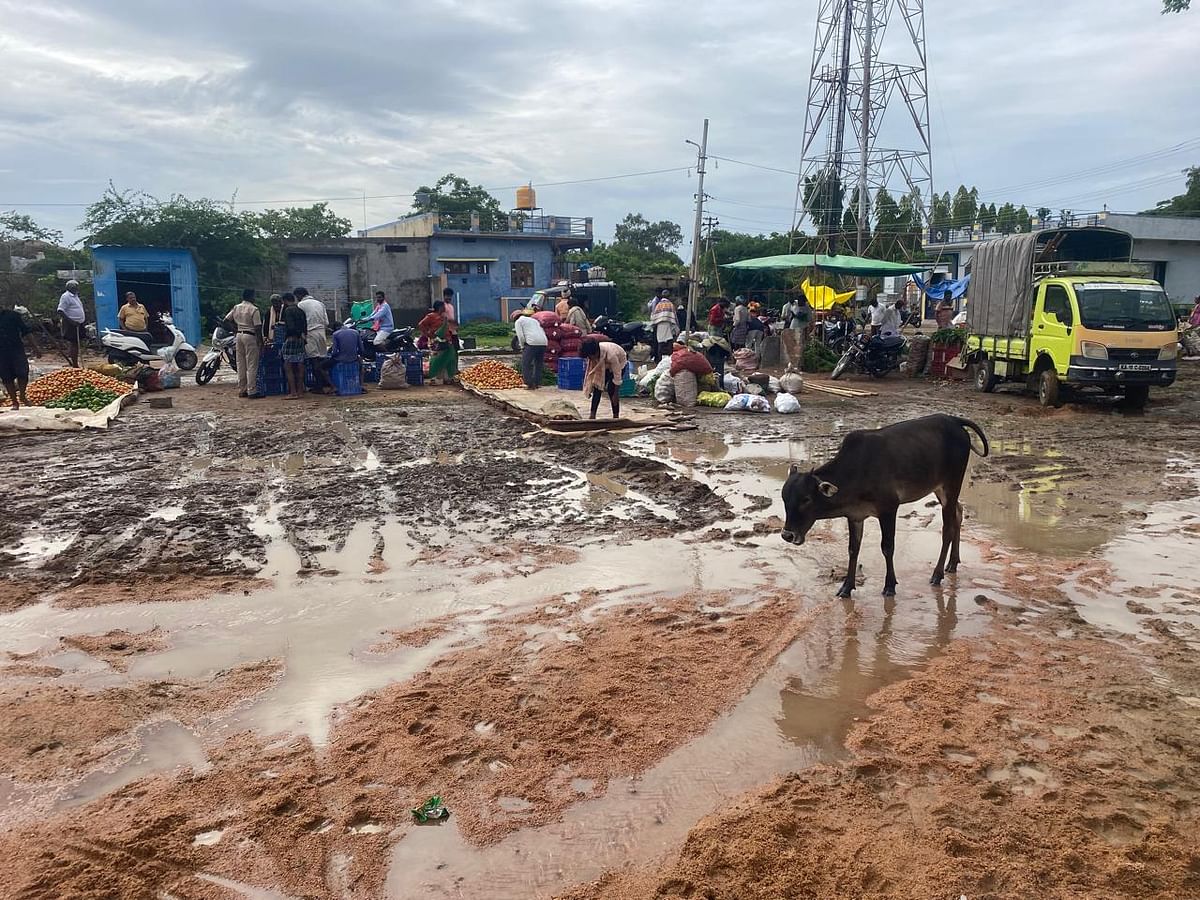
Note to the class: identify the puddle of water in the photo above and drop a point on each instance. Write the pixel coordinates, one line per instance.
(168, 513)
(767, 733)
(35, 548)
(163, 746)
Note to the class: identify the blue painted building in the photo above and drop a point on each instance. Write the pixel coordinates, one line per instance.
(486, 267)
(163, 279)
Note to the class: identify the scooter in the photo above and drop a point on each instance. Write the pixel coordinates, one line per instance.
(836, 334)
(870, 357)
(223, 346)
(627, 334)
(139, 346)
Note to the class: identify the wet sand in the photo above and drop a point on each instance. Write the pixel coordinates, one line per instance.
(599, 653)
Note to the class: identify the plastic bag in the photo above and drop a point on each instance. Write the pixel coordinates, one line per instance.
(664, 390)
(773, 385)
(686, 388)
(392, 375)
(786, 403)
(733, 384)
(168, 376)
(663, 365)
(716, 399)
(748, 403)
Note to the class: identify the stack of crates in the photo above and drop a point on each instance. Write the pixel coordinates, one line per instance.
(414, 371)
(570, 373)
(628, 384)
(347, 378)
(271, 380)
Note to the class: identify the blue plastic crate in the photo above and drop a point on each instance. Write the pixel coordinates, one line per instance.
(347, 378)
(570, 373)
(414, 368)
(271, 381)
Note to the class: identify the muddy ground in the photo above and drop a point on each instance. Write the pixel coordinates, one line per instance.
(242, 640)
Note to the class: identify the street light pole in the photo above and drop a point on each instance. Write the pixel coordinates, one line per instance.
(694, 279)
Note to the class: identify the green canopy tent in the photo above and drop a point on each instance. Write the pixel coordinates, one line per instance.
(842, 265)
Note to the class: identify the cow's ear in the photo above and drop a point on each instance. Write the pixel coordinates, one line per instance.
(793, 469)
(828, 488)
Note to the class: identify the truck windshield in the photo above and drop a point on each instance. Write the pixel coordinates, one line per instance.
(1124, 307)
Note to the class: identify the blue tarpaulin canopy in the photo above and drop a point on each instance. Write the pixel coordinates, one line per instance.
(943, 290)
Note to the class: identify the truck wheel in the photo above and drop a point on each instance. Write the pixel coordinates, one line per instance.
(1136, 396)
(985, 376)
(1048, 391)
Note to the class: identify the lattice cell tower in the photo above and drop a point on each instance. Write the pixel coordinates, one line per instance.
(867, 122)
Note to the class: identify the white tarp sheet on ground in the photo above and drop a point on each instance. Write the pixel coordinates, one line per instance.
(39, 418)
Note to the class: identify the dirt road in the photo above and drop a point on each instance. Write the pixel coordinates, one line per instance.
(242, 640)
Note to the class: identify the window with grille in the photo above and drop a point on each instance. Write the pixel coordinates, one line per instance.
(522, 274)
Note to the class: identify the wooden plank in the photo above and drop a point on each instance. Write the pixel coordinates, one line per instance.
(828, 388)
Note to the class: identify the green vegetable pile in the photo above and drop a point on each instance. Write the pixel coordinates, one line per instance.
(819, 358)
(87, 396)
(948, 337)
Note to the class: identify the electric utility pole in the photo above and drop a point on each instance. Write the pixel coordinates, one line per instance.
(694, 278)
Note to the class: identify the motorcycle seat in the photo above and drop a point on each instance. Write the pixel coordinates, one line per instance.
(888, 343)
(633, 326)
(140, 335)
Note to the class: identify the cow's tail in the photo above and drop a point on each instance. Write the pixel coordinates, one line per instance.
(967, 423)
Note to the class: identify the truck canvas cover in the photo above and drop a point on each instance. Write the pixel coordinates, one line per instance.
(1002, 279)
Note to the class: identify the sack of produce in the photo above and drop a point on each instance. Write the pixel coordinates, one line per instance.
(1190, 339)
(791, 382)
(547, 318)
(787, 404)
(709, 382)
(570, 346)
(664, 390)
(918, 355)
(748, 403)
(690, 361)
(745, 360)
(392, 375)
(553, 333)
(715, 399)
(686, 388)
(567, 330)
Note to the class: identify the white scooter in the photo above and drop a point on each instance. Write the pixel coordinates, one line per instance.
(222, 346)
(138, 346)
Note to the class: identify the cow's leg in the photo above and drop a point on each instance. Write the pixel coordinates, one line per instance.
(887, 525)
(855, 527)
(952, 565)
(948, 516)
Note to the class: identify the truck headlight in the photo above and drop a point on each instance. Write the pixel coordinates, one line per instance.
(1169, 351)
(1092, 350)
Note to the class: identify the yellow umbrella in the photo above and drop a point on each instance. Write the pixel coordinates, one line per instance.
(822, 296)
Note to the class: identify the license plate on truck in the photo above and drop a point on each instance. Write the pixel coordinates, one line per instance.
(1133, 367)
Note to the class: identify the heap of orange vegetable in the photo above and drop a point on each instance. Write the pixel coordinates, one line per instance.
(58, 384)
(491, 375)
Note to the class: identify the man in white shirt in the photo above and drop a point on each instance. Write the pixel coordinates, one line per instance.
(885, 320)
(316, 344)
(532, 339)
(70, 311)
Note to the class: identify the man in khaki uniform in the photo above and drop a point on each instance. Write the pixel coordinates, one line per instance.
(248, 320)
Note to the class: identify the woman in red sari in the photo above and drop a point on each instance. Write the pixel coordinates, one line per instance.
(440, 332)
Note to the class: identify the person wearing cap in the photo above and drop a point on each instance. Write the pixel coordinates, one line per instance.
(248, 343)
(72, 317)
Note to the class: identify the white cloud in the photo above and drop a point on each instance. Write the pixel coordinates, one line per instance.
(302, 100)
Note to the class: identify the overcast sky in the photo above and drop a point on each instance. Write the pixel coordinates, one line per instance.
(299, 101)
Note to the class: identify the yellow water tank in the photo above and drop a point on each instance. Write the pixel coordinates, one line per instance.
(526, 197)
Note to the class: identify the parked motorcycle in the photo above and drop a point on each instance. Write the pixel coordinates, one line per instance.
(223, 346)
(836, 334)
(627, 334)
(869, 356)
(138, 346)
(400, 340)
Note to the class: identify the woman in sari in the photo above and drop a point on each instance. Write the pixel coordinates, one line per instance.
(440, 333)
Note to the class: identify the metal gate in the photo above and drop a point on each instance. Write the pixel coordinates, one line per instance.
(327, 278)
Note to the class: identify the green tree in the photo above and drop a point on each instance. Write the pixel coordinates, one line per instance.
(15, 226)
(456, 198)
(309, 223)
(230, 249)
(1006, 219)
(965, 207)
(987, 217)
(624, 265)
(1174, 6)
(823, 200)
(1044, 213)
(656, 238)
(1025, 220)
(941, 213)
(1185, 204)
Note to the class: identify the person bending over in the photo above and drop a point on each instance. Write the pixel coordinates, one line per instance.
(605, 371)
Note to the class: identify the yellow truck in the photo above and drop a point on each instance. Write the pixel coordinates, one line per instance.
(1066, 310)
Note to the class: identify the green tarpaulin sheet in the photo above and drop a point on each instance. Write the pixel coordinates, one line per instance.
(845, 265)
